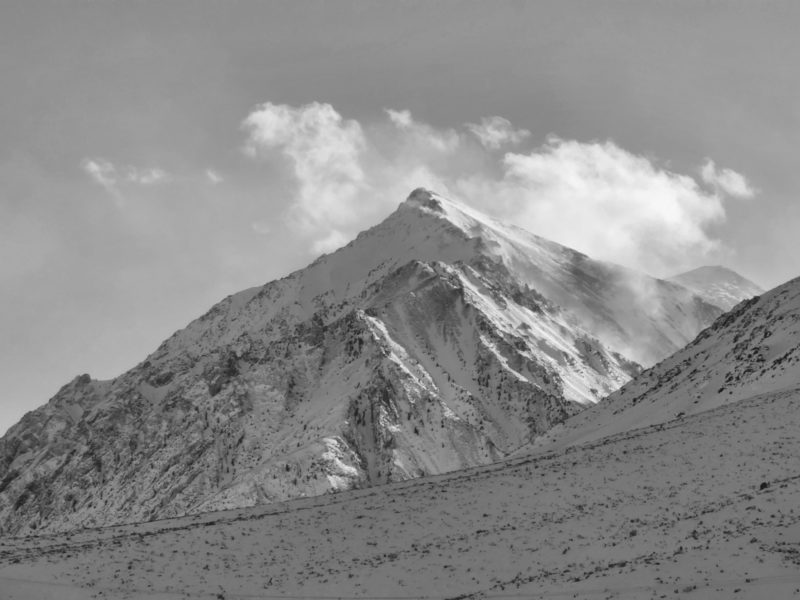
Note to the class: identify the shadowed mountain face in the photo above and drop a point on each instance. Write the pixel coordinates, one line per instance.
(437, 340)
(718, 285)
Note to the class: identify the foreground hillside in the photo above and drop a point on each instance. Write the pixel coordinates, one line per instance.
(437, 340)
(702, 507)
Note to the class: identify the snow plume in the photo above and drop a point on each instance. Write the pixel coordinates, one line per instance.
(593, 196)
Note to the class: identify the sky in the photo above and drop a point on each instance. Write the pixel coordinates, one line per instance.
(158, 156)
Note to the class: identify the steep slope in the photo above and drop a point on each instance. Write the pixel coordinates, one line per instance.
(437, 340)
(718, 285)
(751, 350)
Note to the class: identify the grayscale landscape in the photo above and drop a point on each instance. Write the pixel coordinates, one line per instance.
(553, 357)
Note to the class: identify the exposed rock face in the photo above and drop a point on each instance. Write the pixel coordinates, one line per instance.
(437, 340)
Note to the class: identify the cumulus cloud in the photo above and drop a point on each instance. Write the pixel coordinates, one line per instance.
(593, 196)
(494, 132)
(726, 180)
(608, 202)
(324, 151)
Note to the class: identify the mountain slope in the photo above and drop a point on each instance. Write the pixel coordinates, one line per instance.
(718, 285)
(751, 350)
(701, 508)
(437, 340)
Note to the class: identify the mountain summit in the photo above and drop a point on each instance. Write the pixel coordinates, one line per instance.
(437, 340)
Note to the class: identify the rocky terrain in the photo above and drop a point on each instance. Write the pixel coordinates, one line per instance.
(438, 340)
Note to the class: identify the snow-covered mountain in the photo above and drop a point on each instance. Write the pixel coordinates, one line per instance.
(437, 340)
(718, 285)
(700, 507)
(750, 351)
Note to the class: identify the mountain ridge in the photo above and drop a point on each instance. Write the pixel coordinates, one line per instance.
(718, 285)
(437, 340)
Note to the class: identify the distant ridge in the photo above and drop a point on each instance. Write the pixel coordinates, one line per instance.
(718, 285)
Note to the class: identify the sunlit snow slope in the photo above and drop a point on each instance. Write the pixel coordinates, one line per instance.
(437, 340)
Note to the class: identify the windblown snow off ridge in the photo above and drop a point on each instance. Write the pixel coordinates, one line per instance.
(437, 340)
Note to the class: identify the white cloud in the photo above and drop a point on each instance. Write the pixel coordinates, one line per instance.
(101, 171)
(335, 239)
(494, 132)
(423, 135)
(145, 176)
(729, 181)
(593, 196)
(324, 151)
(605, 201)
(401, 118)
(213, 177)
(105, 173)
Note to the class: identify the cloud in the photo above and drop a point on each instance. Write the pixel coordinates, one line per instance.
(401, 118)
(727, 180)
(148, 176)
(109, 176)
(103, 173)
(593, 196)
(423, 135)
(213, 177)
(324, 151)
(335, 239)
(607, 202)
(494, 132)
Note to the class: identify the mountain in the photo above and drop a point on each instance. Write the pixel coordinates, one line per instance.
(718, 285)
(753, 350)
(437, 340)
(699, 507)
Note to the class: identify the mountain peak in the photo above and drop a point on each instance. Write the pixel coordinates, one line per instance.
(423, 198)
(438, 339)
